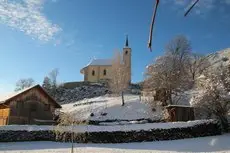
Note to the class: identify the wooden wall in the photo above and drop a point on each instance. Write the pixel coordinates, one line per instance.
(180, 113)
(4, 115)
(30, 106)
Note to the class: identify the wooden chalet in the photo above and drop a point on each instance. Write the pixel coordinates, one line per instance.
(29, 106)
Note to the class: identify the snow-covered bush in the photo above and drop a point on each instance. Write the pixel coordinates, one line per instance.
(213, 99)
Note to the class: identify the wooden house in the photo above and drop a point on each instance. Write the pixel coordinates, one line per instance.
(180, 113)
(29, 106)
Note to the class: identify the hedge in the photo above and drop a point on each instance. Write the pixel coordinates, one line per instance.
(204, 129)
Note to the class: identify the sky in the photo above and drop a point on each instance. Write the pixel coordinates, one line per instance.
(40, 35)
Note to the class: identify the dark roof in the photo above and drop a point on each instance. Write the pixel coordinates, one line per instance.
(8, 97)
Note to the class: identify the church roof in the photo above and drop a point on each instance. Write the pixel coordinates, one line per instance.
(100, 62)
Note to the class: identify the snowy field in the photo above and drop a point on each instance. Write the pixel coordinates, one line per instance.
(220, 144)
(133, 109)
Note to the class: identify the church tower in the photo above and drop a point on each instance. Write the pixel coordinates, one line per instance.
(127, 57)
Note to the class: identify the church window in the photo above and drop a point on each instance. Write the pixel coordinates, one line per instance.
(126, 52)
(93, 73)
(104, 72)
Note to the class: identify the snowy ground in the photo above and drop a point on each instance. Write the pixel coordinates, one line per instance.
(133, 109)
(204, 144)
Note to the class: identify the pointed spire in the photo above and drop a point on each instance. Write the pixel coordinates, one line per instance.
(127, 41)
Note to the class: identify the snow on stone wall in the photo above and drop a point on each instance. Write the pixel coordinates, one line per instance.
(111, 134)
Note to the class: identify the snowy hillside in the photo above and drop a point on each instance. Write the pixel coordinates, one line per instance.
(216, 59)
(109, 108)
(219, 57)
(89, 102)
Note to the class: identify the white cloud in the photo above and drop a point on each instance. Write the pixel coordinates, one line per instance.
(227, 2)
(26, 16)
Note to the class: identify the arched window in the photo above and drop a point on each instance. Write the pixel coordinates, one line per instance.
(104, 72)
(93, 73)
(126, 52)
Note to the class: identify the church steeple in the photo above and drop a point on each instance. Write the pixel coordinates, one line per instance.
(127, 42)
(127, 52)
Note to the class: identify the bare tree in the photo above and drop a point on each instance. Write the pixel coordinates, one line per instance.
(197, 64)
(50, 82)
(119, 76)
(53, 77)
(179, 49)
(66, 120)
(24, 83)
(169, 71)
(214, 99)
(47, 84)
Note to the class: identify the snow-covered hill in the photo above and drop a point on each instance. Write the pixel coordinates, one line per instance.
(216, 59)
(109, 108)
(89, 101)
(75, 91)
(219, 57)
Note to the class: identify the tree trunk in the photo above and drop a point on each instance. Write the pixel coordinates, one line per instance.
(224, 123)
(122, 97)
(169, 94)
(72, 139)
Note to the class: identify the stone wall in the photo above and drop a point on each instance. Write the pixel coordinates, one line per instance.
(204, 129)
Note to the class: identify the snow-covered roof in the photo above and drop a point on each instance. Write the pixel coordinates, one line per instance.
(4, 97)
(100, 62)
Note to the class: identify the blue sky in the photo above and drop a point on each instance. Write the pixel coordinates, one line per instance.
(40, 35)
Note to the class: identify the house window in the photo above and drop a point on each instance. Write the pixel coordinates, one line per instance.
(93, 73)
(104, 72)
(47, 107)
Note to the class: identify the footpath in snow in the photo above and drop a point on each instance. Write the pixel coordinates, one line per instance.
(218, 144)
